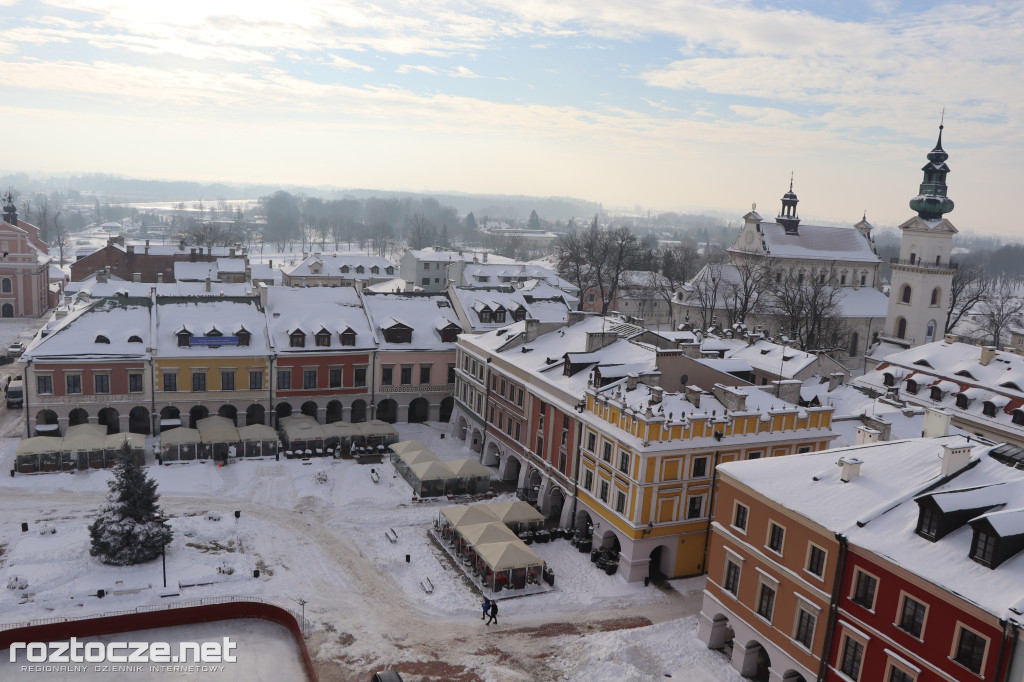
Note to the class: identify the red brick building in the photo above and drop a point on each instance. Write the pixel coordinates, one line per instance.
(24, 266)
(152, 263)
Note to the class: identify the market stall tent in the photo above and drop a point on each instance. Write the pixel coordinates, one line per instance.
(219, 433)
(472, 477)
(460, 515)
(258, 440)
(41, 453)
(430, 478)
(182, 443)
(405, 445)
(508, 565)
(517, 514)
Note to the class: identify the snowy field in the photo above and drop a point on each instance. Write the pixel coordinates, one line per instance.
(266, 652)
(316, 532)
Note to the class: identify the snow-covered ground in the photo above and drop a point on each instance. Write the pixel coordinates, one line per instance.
(316, 531)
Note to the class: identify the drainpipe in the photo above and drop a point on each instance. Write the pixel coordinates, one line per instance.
(833, 607)
(711, 508)
(373, 384)
(154, 420)
(1010, 628)
(24, 398)
(270, 387)
(576, 471)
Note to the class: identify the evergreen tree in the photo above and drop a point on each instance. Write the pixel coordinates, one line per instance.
(534, 222)
(129, 530)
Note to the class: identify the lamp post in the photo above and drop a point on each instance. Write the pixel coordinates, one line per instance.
(163, 551)
(302, 603)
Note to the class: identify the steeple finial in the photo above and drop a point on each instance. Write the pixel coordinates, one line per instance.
(787, 216)
(790, 181)
(931, 201)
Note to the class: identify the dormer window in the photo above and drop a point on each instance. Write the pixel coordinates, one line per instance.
(375, 270)
(983, 548)
(322, 338)
(485, 315)
(450, 334)
(988, 408)
(184, 339)
(519, 314)
(348, 337)
(888, 379)
(398, 333)
(922, 363)
(214, 332)
(965, 373)
(297, 339)
(244, 337)
(344, 269)
(936, 393)
(314, 269)
(102, 339)
(499, 315)
(928, 522)
(962, 401)
(912, 387)
(389, 270)
(134, 339)
(1018, 417)
(360, 269)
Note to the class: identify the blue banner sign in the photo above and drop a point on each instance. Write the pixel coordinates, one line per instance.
(213, 341)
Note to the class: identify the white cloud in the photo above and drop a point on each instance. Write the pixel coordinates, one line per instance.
(463, 72)
(409, 68)
(348, 64)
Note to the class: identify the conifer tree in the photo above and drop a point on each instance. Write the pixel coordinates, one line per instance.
(129, 529)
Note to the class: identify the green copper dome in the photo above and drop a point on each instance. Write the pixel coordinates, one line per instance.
(931, 202)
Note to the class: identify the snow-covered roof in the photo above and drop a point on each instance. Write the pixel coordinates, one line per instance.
(100, 329)
(345, 265)
(433, 255)
(862, 302)
(195, 272)
(227, 316)
(817, 242)
(475, 274)
(233, 265)
(425, 314)
(334, 309)
(473, 301)
(770, 358)
(540, 289)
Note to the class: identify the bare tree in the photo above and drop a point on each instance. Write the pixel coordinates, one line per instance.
(704, 293)
(572, 263)
(968, 289)
(808, 311)
(741, 291)
(1003, 310)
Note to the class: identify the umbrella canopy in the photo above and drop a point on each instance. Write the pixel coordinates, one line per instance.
(504, 556)
(116, 440)
(468, 468)
(465, 515)
(431, 471)
(39, 445)
(303, 430)
(295, 418)
(516, 512)
(418, 457)
(486, 533)
(341, 429)
(376, 427)
(255, 432)
(406, 445)
(217, 430)
(180, 436)
(85, 437)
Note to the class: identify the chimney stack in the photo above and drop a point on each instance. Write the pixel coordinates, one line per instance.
(147, 247)
(693, 395)
(851, 468)
(657, 394)
(101, 276)
(631, 381)
(955, 458)
(207, 282)
(159, 278)
(987, 353)
(532, 329)
(136, 276)
(835, 380)
(576, 316)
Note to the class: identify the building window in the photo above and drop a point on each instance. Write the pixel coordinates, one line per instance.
(284, 380)
(776, 535)
(700, 467)
(739, 517)
(970, 649)
(485, 315)
(607, 455)
(620, 502)
(988, 408)
(5, 285)
(732, 578)
(322, 338)
(864, 587)
(406, 376)
(256, 380)
(983, 548)
(695, 506)
(348, 338)
(359, 378)
(898, 675)
(853, 653)
(44, 384)
(816, 561)
(74, 382)
(198, 381)
(424, 374)
(928, 522)
(184, 339)
(135, 383)
(425, 281)
(766, 601)
(386, 376)
(297, 339)
(334, 377)
(912, 615)
(309, 378)
(604, 491)
(243, 337)
(170, 382)
(754, 455)
(591, 439)
(227, 381)
(624, 462)
(805, 622)
(451, 373)
(588, 480)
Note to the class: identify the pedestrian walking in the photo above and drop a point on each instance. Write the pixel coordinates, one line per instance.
(486, 605)
(493, 613)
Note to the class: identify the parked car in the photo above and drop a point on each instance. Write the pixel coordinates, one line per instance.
(16, 349)
(15, 394)
(387, 676)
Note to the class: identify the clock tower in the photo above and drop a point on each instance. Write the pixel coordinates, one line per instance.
(922, 275)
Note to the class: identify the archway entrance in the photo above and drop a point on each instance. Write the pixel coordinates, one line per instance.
(358, 411)
(610, 541)
(109, 417)
(229, 412)
(7, 310)
(793, 676)
(387, 411)
(170, 418)
(309, 409)
(461, 428)
(654, 564)
(447, 405)
(333, 413)
(556, 502)
(78, 416)
(47, 424)
(721, 634)
(282, 410)
(756, 663)
(138, 420)
(418, 411)
(512, 469)
(195, 414)
(583, 520)
(255, 414)
(476, 443)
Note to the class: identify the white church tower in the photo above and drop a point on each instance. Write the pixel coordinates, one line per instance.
(922, 275)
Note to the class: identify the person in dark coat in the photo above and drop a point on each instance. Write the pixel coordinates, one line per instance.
(486, 605)
(493, 613)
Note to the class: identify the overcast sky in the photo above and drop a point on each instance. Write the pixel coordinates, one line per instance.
(652, 105)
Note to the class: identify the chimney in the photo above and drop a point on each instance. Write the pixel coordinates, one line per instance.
(191, 255)
(851, 468)
(136, 276)
(657, 394)
(936, 423)
(248, 273)
(955, 458)
(209, 250)
(877, 423)
(631, 381)
(263, 295)
(732, 398)
(532, 329)
(485, 256)
(181, 245)
(131, 249)
(231, 252)
(598, 340)
(866, 436)
(147, 247)
(270, 263)
(787, 390)
(207, 282)
(101, 276)
(576, 316)
(159, 278)
(835, 380)
(693, 395)
(949, 338)
(987, 353)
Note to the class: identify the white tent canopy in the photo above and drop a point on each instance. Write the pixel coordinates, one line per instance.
(464, 515)
(486, 533)
(406, 445)
(465, 468)
(256, 432)
(217, 430)
(432, 470)
(516, 511)
(39, 445)
(180, 436)
(505, 556)
(85, 437)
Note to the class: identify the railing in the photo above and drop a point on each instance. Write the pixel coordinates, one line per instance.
(924, 265)
(897, 340)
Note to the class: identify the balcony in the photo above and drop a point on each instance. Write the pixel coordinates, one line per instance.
(922, 265)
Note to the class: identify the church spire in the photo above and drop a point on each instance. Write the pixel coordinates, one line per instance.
(931, 201)
(787, 216)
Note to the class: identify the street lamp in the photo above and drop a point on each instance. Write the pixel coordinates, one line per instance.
(163, 550)
(302, 603)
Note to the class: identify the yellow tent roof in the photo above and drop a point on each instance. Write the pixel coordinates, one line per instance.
(431, 471)
(116, 440)
(484, 533)
(217, 429)
(405, 445)
(465, 515)
(256, 432)
(85, 437)
(411, 457)
(39, 445)
(516, 511)
(503, 556)
(465, 468)
(180, 436)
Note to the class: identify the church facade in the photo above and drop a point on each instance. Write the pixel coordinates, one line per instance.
(24, 266)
